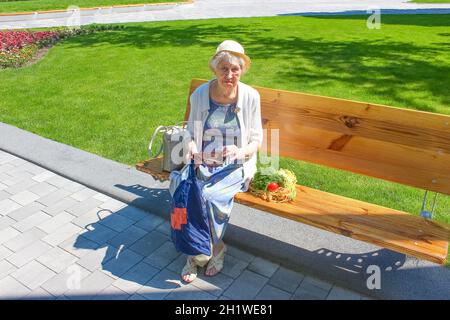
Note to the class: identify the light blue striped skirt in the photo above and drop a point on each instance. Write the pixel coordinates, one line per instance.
(219, 186)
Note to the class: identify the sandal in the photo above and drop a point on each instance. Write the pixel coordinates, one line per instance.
(216, 262)
(189, 270)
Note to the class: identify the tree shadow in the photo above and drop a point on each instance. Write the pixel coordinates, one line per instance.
(399, 72)
(420, 17)
(136, 248)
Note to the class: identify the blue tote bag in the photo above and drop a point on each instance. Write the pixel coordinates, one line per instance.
(189, 219)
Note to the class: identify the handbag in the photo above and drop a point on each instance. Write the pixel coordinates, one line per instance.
(172, 136)
(189, 221)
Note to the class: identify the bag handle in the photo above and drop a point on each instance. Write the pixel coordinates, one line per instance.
(162, 129)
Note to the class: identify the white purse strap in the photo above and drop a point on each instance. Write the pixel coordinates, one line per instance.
(162, 129)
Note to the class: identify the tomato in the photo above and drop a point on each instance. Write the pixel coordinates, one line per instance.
(272, 186)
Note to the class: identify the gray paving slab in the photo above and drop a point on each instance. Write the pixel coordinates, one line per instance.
(98, 258)
(287, 280)
(150, 223)
(73, 187)
(98, 233)
(57, 181)
(4, 168)
(91, 286)
(7, 206)
(263, 267)
(62, 234)
(39, 294)
(84, 194)
(5, 252)
(339, 293)
(4, 195)
(213, 285)
(79, 246)
(136, 277)
(24, 239)
(59, 206)
(42, 188)
(309, 280)
(189, 292)
(233, 267)
(56, 222)
(6, 222)
(149, 243)
(54, 197)
(41, 177)
(6, 268)
(128, 237)
(24, 185)
(121, 262)
(112, 293)
(117, 222)
(57, 259)
(163, 256)
(33, 274)
(269, 292)
(17, 178)
(136, 214)
(32, 221)
(8, 234)
(246, 286)
(91, 217)
(29, 253)
(305, 294)
(83, 207)
(68, 281)
(160, 286)
(26, 211)
(240, 254)
(11, 289)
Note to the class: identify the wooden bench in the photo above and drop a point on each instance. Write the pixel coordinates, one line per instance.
(404, 146)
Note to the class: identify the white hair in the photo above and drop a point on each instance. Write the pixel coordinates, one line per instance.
(225, 56)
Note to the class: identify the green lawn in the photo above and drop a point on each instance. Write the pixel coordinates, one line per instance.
(431, 1)
(106, 92)
(41, 5)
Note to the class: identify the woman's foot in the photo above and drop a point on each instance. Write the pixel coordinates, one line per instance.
(215, 264)
(189, 272)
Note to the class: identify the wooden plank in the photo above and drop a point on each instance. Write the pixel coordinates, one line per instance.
(400, 145)
(381, 226)
(154, 168)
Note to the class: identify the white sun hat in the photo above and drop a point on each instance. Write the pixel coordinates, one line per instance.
(235, 48)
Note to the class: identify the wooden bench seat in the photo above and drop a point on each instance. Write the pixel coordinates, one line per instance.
(404, 146)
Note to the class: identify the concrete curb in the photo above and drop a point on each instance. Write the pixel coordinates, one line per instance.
(337, 259)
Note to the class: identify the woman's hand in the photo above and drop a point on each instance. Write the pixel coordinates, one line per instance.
(233, 152)
(193, 154)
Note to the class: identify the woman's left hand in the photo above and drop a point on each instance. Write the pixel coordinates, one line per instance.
(233, 152)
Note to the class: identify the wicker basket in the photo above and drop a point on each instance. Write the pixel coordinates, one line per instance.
(279, 195)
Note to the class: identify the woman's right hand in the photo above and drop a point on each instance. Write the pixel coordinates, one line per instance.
(193, 154)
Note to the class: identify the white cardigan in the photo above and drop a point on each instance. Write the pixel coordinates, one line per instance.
(248, 112)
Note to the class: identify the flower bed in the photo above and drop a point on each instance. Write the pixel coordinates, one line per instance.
(19, 47)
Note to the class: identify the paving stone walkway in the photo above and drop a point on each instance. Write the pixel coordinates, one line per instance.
(208, 9)
(62, 240)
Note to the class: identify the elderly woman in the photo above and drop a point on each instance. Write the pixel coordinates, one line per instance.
(225, 124)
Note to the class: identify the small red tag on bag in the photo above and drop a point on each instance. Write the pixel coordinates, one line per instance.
(178, 217)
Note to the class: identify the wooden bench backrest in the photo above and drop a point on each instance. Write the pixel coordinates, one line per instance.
(400, 145)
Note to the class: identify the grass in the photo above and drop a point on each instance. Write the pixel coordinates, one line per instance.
(105, 93)
(42, 5)
(431, 1)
